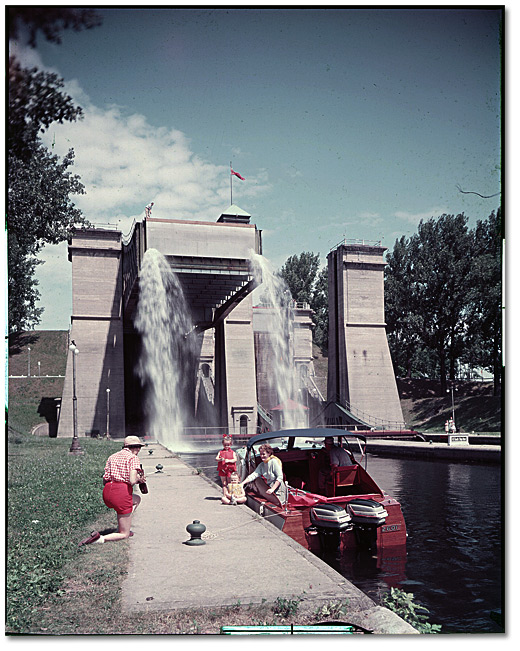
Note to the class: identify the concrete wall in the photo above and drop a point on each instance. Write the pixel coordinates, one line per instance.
(239, 358)
(97, 330)
(200, 239)
(360, 367)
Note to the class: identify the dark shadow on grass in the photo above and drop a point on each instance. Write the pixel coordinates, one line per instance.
(20, 340)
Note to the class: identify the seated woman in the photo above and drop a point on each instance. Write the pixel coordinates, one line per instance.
(270, 469)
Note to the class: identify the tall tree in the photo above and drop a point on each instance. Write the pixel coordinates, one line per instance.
(402, 324)
(428, 285)
(441, 253)
(320, 307)
(484, 332)
(299, 272)
(306, 285)
(39, 208)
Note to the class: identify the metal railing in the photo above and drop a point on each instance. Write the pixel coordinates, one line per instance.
(345, 241)
(368, 419)
(212, 434)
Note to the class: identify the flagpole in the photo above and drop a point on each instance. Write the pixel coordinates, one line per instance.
(231, 180)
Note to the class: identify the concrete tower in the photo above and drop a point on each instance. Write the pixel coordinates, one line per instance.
(361, 381)
(97, 330)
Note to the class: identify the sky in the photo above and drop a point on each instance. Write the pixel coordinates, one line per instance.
(345, 123)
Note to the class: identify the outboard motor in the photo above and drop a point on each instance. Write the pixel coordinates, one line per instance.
(330, 520)
(367, 515)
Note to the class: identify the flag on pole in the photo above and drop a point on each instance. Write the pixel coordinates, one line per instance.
(237, 174)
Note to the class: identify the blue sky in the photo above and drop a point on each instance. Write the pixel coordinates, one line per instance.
(345, 123)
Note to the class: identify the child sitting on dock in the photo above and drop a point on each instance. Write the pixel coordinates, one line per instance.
(233, 492)
(227, 461)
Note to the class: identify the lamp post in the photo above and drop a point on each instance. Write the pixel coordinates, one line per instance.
(29, 362)
(108, 413)
(75, 447)
(452, 389)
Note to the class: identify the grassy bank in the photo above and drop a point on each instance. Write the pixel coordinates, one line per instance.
(426, 409)
(32, 399)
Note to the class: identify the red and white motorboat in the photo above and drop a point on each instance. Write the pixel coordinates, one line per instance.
(349, 511)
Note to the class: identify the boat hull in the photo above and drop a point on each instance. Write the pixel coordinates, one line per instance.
(296, 523)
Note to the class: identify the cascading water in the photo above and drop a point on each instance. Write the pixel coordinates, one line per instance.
(167, 361)
(280, 314)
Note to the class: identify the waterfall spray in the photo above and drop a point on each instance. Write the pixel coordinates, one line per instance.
(277, 298)
(166, 365)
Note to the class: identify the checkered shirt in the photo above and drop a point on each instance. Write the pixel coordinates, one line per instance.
(118, 466)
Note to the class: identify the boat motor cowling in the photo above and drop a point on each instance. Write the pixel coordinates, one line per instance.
(367, 513)
(330, 517)
(329, 520)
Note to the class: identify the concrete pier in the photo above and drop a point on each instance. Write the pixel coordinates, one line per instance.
(244, 559)
(435, 449)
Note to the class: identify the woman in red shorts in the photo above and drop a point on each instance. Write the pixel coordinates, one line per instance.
(120, 476)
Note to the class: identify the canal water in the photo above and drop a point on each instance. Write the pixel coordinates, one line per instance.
(454, 555)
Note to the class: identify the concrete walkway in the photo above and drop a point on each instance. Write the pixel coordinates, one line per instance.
(245, 559)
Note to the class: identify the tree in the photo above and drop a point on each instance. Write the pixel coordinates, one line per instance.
(39, 208)
(484, 332)
(306, 285)
(402, 323)
(427, 288)
(441, 254)
(299, 272)
(320, 307)
(50, 20)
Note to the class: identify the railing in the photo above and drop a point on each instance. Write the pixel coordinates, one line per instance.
(265, 414)
(313, 389)
(209, 387)
(126, 238)
(215, 434)
(372, 421)
(131, 261)
(344, 242)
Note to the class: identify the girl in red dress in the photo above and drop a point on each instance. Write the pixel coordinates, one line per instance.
(227, 461)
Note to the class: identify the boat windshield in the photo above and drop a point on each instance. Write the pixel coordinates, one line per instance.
(355, 445)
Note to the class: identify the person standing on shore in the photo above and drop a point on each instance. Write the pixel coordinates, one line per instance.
(122, 472)
(227, 461)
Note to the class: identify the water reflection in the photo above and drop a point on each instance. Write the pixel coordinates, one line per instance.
(453, 562)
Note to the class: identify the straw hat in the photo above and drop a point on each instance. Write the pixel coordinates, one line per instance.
(133, 441)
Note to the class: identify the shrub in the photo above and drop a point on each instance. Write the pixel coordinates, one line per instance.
(403, 604)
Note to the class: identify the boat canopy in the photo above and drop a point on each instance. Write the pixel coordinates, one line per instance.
(315, 432)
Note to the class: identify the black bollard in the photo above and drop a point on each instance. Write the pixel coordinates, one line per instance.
(196, 529)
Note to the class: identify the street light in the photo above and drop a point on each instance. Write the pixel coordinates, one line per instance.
(108, 413)
(75, 447)
(452, 388)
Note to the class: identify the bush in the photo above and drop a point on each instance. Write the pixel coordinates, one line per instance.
(403, 604)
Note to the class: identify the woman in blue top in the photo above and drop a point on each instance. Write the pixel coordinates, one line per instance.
(270, 469)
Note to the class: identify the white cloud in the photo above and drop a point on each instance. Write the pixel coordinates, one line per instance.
(125, 163)
(415, 218)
